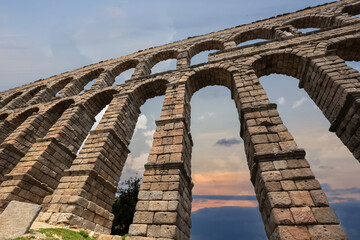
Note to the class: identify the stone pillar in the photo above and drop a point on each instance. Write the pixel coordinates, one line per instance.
(19, 142)
(86, 192)
(142, 69)
(10, 123)
(38, 173)
(164, 201)
(230, 45)
(22, 99)
(6, 99)
(71, 89)
(291, 201)
(47, 94)
(104, 80)
(183, 60)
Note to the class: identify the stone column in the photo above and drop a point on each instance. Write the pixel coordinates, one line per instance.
(38, 173)
(104, 80)
(142, 69)
(6, 99)
(230, 45)
(86, 192)
(291, 201)
(164, 205)
(183, 60)
(10, 123)
(23, 99)
(20, 141)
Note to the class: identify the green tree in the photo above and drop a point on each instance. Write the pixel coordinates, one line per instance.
(124, 205)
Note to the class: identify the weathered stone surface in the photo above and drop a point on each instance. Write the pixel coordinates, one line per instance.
(40, 133)
(325, 232)
(291, 233)
(17, 218)
(302, 215)
(325, 215)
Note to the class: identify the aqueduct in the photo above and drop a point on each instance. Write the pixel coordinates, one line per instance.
(43, 124)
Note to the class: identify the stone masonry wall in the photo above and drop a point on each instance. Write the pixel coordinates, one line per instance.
(43, 125)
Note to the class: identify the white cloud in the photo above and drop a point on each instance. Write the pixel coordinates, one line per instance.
(206, 115)
(149, 136)
(136, 164)
(299, 102)
(141, 123)
(281, 100)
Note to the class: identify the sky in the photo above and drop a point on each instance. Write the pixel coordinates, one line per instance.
(41, 38)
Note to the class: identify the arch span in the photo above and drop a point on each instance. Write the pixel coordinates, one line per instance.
(348, 49)
(258, 33)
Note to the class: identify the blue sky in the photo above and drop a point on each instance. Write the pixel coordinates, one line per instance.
(42, 38)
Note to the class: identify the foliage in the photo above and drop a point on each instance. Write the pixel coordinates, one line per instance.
(124, 236)
(124, 206)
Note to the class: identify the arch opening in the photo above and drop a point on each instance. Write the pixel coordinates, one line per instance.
(124, 71)
(10, 98)
(96, 106)
(210, 77)
(250, 42)
(312, 22)
(163, 66)
(199, 52)
(224, 205)
(139, 146)
(57, 88)
(253, 36)
(88, 85)
(122, 77)
(163, 61)
(124, 127)
(86, 81)
(201, 57)
(307, 30)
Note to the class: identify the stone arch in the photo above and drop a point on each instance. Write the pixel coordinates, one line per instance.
(332, 85)
(78, 84)
(353, 9)
(8, 126)
(46, 94)
(31, 130)
(205, 46)
(8, 99)
(162, 56)
(208, 77)
(123, 66)
(20, 118)
(314, 21)
(24, 98)
(98, 101)
(57, 87)
(282, 63)
(88, 77)
(104, 154)
(150, 89)
(348, 49)
(258, 33)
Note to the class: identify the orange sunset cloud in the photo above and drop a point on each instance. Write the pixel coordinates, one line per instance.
(222, 183)
(198, 204)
